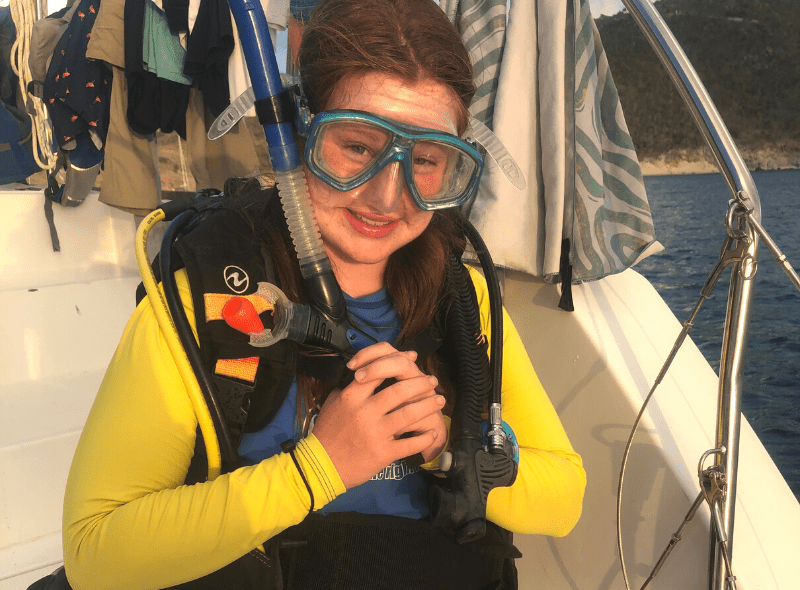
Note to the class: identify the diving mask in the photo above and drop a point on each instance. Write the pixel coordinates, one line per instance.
(346, 148)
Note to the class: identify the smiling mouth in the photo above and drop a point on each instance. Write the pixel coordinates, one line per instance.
(371, 227)
(375, 222)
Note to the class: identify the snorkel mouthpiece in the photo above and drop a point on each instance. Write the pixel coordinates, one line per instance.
(290, 321)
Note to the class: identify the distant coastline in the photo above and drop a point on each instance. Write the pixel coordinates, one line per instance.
(700, 160)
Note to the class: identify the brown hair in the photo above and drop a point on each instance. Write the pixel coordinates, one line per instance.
(412, 39)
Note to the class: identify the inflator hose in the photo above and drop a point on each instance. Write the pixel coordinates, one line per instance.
(230, 458)
(168, 329)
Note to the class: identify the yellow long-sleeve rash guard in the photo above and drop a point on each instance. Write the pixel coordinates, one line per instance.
(130, 523)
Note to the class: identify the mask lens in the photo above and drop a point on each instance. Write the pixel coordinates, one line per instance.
(345, 149)
(442, 172)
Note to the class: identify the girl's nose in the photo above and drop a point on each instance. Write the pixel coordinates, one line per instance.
(386, 188)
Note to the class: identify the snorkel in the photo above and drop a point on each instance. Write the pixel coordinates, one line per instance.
(480, 457)
(326, 324)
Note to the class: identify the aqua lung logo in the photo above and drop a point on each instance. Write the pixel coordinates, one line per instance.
(236, 279)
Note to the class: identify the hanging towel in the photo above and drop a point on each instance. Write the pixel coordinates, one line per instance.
(482, 25)
(584, 214)
(612, 225)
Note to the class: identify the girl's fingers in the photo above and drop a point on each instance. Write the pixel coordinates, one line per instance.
(419, 442)
(372, 353)
(402, 419)
(433, 421)
(403, 393)
(397, 366)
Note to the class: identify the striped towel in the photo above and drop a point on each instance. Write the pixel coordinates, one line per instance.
(584, 214)
(482, 24)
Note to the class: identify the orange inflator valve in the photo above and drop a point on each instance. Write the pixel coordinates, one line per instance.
(240, 314)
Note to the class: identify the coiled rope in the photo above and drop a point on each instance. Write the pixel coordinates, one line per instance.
(23, 13)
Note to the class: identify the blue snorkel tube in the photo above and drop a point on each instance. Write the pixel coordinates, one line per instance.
(326, 323)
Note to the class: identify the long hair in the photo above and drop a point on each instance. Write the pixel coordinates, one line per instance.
(414, 40)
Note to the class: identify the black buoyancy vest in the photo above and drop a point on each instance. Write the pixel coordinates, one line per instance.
(223, 259)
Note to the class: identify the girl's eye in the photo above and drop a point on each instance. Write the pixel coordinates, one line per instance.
(358, 149)
(422, 161)
(429, 156)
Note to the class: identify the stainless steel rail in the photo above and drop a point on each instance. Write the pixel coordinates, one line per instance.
(743, 189)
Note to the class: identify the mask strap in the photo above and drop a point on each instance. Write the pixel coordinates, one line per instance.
(498, 152)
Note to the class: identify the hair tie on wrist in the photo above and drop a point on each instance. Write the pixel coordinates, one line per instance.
(289, 446)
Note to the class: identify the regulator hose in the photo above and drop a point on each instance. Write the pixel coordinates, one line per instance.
(459, 504)
(495, 308)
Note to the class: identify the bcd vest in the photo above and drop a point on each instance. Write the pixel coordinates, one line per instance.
(346, 551)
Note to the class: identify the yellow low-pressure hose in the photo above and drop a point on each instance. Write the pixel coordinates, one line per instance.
(159, 304)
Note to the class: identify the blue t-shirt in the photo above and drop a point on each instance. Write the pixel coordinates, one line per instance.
(397, 490)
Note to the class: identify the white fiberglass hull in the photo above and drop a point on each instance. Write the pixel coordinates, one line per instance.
(62, 315)
(598, 364)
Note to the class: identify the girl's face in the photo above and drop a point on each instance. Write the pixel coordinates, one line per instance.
(362, 227)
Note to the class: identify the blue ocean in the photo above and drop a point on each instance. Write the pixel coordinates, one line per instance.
(689, 215)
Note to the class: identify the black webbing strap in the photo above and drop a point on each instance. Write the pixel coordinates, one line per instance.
(565, 272)
(279, 108)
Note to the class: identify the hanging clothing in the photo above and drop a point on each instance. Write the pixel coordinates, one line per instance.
(210, 47)
(162, 52)
(177, 13)
(77, 90)
(131, 177)
(45, 34)
(153, 103)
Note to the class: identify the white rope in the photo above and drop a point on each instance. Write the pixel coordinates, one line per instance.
(23, 12)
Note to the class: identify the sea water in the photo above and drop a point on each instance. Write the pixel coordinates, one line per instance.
(689, 216)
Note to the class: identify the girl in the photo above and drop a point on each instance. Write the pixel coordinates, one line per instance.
(375, 73)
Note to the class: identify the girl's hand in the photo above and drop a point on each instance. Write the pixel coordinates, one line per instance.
(361, 429)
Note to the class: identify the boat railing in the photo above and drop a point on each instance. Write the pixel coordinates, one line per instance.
(740, 251)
